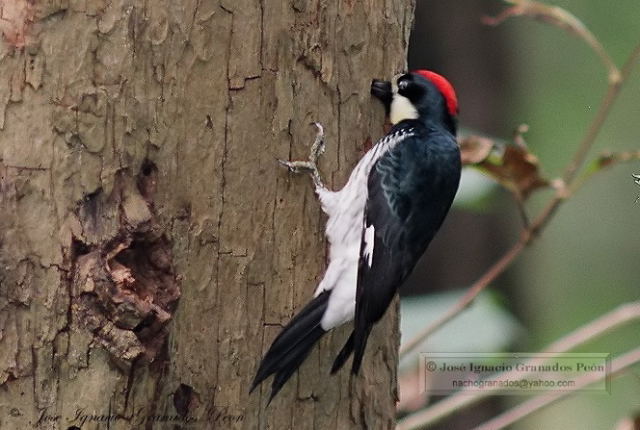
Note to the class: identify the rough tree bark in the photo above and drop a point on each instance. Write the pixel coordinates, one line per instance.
(150, 245)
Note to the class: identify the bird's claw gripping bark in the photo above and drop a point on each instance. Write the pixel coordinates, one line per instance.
(310, 166)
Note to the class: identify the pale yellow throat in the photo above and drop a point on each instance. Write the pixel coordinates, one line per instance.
(401, 107)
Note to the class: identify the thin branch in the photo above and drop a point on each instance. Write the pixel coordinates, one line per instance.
(601, 116)
(560, 18)
(604, 161)
(522, 210)
(526, 408)
(466, 300)
(620, 316)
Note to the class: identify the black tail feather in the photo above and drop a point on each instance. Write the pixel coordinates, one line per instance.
(343, 355)
(294, 359)
(360, 343)
(293, 344)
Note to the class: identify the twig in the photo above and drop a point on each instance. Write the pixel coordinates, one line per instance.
(603, 112)
(560, 18)
(622, 315)
(604, 161)
(466, 300)
(522, 210)
(522, 410)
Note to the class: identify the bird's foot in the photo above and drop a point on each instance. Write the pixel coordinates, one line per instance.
(310, 166)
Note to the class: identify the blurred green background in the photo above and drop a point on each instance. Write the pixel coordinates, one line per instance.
(586, 262)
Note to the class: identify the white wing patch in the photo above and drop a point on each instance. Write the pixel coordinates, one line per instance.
(369, 234)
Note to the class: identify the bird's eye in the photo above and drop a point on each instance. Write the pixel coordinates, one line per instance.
(403, 84)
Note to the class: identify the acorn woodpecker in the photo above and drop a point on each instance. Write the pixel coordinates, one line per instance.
(379, 223)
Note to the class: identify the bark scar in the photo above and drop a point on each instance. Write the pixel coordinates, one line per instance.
(124, 287)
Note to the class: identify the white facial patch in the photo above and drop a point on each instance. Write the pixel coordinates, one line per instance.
(401, 107)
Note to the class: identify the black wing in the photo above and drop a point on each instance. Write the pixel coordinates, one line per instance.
(411, 189)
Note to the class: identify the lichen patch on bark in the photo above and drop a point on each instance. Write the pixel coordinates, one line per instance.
(15, 18)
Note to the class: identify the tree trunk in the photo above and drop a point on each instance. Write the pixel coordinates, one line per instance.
(150, 245)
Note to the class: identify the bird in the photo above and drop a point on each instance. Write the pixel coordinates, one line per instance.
(379, 224)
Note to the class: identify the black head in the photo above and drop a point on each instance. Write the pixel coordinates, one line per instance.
(421, 94)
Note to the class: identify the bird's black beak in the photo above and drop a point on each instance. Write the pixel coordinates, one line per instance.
(382, 91)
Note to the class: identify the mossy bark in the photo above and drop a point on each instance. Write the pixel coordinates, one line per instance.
(150, 245)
